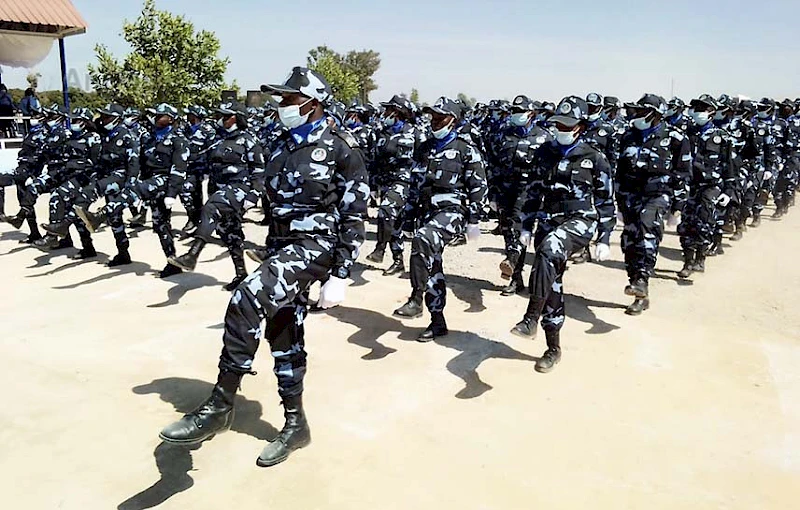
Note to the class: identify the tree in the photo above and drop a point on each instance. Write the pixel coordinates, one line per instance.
(469, 101)
(33, 79)
(414, 97)
(169, 63)
(328, 63)
(364, 64)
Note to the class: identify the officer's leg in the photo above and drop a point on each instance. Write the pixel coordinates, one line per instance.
(211, 219)
(233, 236)
(187, 197)
(441, 230)
(388, 214)
(629, 208)
(652, 230)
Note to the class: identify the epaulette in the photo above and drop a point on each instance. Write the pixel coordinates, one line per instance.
(347, 137)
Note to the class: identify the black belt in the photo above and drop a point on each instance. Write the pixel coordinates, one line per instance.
(567, 206)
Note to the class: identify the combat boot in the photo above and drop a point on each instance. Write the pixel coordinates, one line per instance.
(437, 328)
(87, 252)
(397, 267)
(526, 328)
(294, 435)
(16, 221)
(507, 269)
(59, 230)
(47, 242)
(517, 286)
(638, 306)
(637, 288)
(139, 219)
(756, 220)
(63, 244)
(553, 353)
(188, 261)
(699, 265)
(187, 231)
(241, 270)
(169, 270)
(737, 236)
(120, 259)
(376, 256)
(215, 415)
(688, 263)
(459, 240)
(411, 310)
(582, 257)
(90, 219)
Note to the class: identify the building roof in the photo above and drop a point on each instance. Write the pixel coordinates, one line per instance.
(57, 18)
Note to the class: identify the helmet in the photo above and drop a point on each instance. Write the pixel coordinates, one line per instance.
(113, 110)
(232, 108)
(675, 106)
(444, 106)
(336, 110)
(304, 81)
(703, 103)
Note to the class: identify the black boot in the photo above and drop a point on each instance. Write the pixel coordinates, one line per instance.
(459, 240)
(507, 268)
(90, 219)
(241, 270)
(63, 244)
(295, 434)
(552, 355)
(16, 221)
(47, 242)
(411, 310)
(737, 236)
(397, 267)
(376, 256)
(213, 416)
(257, 254)
(59, 230)
(756, 220)
(188, 261)
(187, 231)
(517, 286)
(638, 306)
(526, 328)
(688, 264)
(699, 265)
(637, 288)
(169, 270)
(87, 252)
(437, 328)
(139, 220)
(120, 259)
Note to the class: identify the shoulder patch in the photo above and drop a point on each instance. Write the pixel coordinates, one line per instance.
(451, 154)
(665, 142)
(347, 138)
(602, 132)
(717, 139)
(587, 163)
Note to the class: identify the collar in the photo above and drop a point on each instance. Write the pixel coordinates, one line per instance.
(397, 126)
(446, 140)
(647, 132)
(162, 133)
(300, 133)
(566, 149)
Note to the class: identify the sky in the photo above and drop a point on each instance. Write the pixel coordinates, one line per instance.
(487, 49)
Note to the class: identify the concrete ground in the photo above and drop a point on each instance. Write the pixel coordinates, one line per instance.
(693, 405)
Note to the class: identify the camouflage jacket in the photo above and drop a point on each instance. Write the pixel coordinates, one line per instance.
(167, 154)
(119, 154)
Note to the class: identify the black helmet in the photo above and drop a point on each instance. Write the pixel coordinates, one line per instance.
(675, 106)
(197, 110)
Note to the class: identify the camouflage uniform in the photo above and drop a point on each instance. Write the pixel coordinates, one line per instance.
(30, 162)
(200, 138)
(451, 198)
(765, 159)
(163, 159)
(652, 171)
(573, 199)
(317, 185)
(785, 188)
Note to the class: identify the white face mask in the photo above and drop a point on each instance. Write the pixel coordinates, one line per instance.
(130, 121)
(221, 122)
(111, 125)
(76, 127)
(595, 116)
(566, 137)
(641, 123)
(389, 121)
(444, 131)
(700, 118)
(763, 115)
(53, 123)
(34, 122)
(719, 116)
(290, 115)
(520, 119)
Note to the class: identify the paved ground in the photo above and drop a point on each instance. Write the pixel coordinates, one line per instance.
(695, 404)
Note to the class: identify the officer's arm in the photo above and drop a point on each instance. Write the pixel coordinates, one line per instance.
(682, 171)
(474, 183)
(177, 174)
(604, 198)
(353, 190)
(255, 162)
(729, 168)
(132, 155)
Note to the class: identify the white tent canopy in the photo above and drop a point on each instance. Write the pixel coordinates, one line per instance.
(23, 50)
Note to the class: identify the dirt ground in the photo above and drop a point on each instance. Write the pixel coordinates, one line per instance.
(693, 405)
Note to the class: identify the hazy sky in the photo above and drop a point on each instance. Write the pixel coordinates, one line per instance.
(490, 49)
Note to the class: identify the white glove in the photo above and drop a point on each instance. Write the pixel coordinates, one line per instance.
(493, 206)
(602, 252)
(674, 219)
(169, 202)
(767, 175)
(724, 200)
(473, 232)
(28, 181)
(332, 293)
(525, 238)
(247, 205)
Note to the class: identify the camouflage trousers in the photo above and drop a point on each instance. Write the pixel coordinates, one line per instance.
(643, 231)
(191, 196)
(152, 192)
(510, 202)
(786, 183)
(276, 294)
(62, 200)
(223, 213)
(556, 241)
(427, 273)
(699, 221)
(762, 189)
(390, 218)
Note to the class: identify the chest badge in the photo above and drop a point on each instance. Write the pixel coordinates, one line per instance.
(717, 140)
(665, 142)
(602, 132)
(319, 155)
(587, 163)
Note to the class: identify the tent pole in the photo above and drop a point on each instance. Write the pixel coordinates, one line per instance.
(64, 86)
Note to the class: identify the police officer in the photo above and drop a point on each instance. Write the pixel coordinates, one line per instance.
(452, 195)
(785, 189)
(710, 183)
(80, 154)
(37, 183)
(652, 172)
(200, 135)
(576, 202)
(515, 155)
(739, 136)
(674, 115)
(318, 189)
(394, 161)
(236, 165)
(767, 156)
(163, 169)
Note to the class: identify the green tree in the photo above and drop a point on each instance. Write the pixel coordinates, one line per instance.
(169, 62)
(33, 79)
(328, 63)
(364, 64)
(414, 97)
(469, 101)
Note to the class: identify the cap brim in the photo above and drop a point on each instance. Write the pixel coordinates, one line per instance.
(566, 121)
(439, 111)
(279, 90)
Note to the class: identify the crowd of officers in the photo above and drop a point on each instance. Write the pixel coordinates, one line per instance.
(556, 177)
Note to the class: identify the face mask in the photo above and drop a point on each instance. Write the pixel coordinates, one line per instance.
(443, 131)
(151, 119)
(763, 115)
(520, 119)
(700, 118)
(593, 117)
(111, 125)
(221, 122)
(566, 137)
(670, 113)
(129, 121)
(719, 116)
(291, 117)
(539, 118)
(232, 128)
(642, 124)
(496, 115)
(389, 121)
(76, 127)
(34, 122)
(351, 123)
(53, 123)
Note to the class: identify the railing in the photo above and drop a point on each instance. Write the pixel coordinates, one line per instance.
(17, 128)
